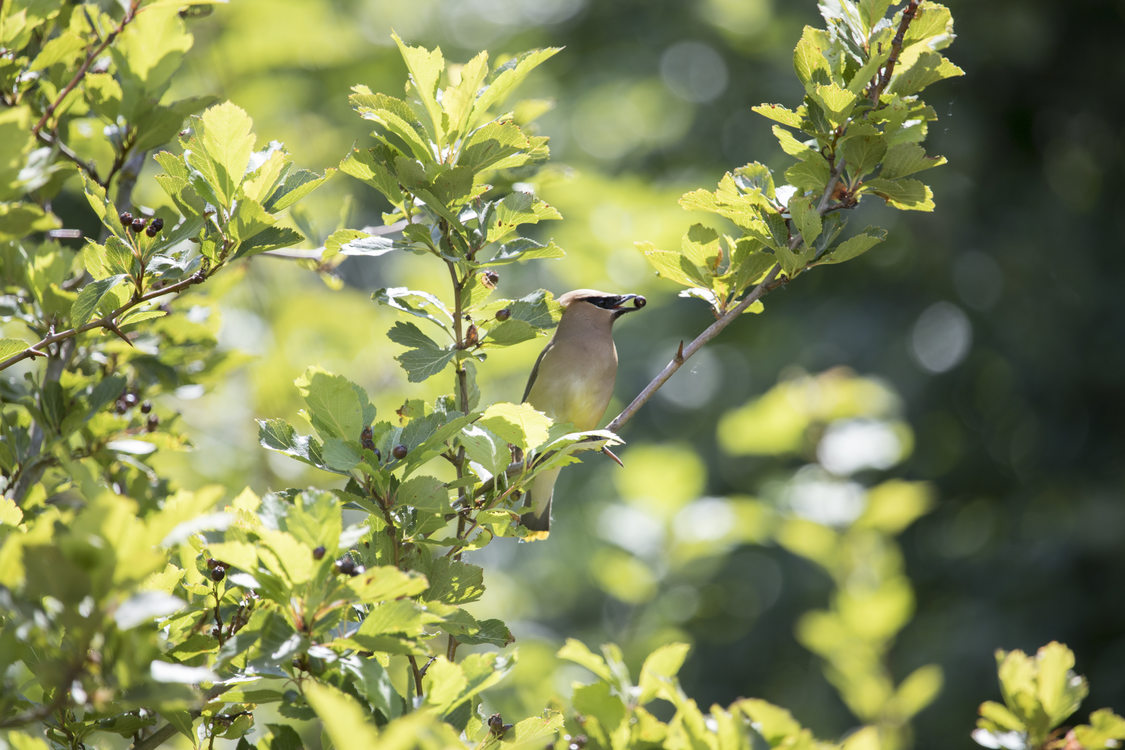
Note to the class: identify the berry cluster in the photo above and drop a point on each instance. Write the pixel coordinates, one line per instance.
(128, 399)
(141, 224)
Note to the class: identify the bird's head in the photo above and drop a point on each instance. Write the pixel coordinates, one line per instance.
(614, 305)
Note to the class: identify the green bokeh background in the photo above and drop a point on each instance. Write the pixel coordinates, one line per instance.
(993, 319)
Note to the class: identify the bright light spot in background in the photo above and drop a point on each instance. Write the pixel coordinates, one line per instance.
(978, 279)
(818, 497)
(632, 529)
(694, 385)
(856, 444)
(708, 519)
(620, 116)
(942, 337)
(693, 71)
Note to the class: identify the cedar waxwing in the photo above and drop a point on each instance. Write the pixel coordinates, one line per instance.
(572, 380)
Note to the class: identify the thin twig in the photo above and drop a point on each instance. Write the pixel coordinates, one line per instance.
(908, 14)
(685, 352)
(65, 150)
(108, 322)
(130, 14)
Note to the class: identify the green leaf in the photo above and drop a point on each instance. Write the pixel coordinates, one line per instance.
(454, 582)
(855, 246)
(492, 143)
(341, 716)
(778, 113)
(836, 101)
(371, 166)
(809, 57)
(521, 249)
(10, 347)
(425, 67)
(515, 209)
(518, 424)
(457, 101)
(658, 674)
(929, 67)
(415, 303)
(667, 263)
(225, 139)
(806, 218)
(336, 406)
(904, 159)
(1060, 690)
(90, 297)
(509, 333)
(790, 145)
(862, 155)
(294, 186)
(906, 194)
(424, 363)
(810, 175)
(425, 493)
(577, 652)
(506, 78)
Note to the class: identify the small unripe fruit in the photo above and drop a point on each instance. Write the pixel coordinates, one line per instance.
(318, 553)
(503, 314)
(399, 451)
(218, 573)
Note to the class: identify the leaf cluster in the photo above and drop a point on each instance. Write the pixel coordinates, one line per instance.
(857, 132)
(1040, 693)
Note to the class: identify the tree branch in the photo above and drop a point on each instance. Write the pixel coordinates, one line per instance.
(770, 281)
(108, 322)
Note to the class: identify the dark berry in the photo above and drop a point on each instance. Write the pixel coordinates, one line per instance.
(212, 562)
(472, 337)
(150, 231)
(367, 438)
(346, 565)
(129, 398)
(139, 223)
(639, 302)
(318, 553)
(215, 632)
(218, 573)
(490, 279)
(399, 451)
(152, 423)
(146, 407)
(503, 314)
(120, 406)
(157, 224)
(126, 218)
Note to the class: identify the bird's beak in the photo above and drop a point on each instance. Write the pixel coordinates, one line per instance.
(628, 303)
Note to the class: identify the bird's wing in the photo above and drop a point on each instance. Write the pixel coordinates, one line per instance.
(535, 370)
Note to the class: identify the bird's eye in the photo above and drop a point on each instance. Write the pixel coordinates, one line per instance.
(606, 303)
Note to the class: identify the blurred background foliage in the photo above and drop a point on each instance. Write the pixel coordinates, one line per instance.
(986, 334)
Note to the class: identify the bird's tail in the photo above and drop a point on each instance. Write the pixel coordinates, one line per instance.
(537, 520)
